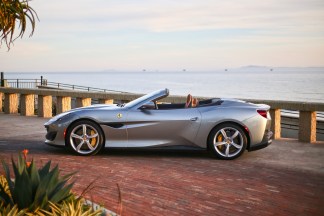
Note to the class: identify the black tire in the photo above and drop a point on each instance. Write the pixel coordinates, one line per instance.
(227, 141)
(84, 138)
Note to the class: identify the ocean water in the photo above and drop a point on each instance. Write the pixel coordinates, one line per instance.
(290, 84)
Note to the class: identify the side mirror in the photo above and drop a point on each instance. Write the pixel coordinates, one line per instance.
(148, 105)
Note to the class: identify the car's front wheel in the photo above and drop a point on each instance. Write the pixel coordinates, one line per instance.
(227, 141)
(84, 138)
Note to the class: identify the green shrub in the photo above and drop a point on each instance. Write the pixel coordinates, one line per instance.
(34, 189)
(40, 192)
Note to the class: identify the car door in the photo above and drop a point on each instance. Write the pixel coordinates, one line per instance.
(113, 125)
(156, 127)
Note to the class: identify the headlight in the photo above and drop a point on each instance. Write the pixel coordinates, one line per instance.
(59, 117)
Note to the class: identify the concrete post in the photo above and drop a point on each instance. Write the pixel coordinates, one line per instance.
(11, 103)
(307, 126)
(1, 104)
(106, 101)
(275, 123)
(83, 102)
(27, 105)
(63, 104)
(45, 106)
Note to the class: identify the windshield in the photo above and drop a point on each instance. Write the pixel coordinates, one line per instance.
(140, 99)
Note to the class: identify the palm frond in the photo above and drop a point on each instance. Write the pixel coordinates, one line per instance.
(11, 13)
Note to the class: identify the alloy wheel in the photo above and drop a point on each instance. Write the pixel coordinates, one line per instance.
(84, 139)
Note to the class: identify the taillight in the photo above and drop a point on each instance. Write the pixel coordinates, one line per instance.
(263, 113)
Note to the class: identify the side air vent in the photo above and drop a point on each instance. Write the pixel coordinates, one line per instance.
(114, 125)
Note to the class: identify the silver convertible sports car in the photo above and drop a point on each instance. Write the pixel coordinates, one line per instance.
(226, 127)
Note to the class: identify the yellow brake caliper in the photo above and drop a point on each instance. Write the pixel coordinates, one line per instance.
(220, 139)
(93, 140)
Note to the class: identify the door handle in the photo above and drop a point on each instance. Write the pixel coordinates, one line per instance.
(194, 119)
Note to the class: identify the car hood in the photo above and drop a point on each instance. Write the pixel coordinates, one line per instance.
(97, 106)
(81, 109)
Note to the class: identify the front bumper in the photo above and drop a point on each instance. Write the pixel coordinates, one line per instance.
(54, 135)
(50, 135)
(267, 140)
(56, 128)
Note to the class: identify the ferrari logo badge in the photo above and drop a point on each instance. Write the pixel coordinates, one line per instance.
(119, 115)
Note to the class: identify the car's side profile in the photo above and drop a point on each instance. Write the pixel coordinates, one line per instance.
(226, 127)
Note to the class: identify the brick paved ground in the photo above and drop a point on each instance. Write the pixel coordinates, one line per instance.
(287, 178)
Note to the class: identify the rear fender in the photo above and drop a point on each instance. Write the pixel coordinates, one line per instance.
(240, 125)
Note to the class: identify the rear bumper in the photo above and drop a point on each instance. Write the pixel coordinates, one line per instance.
(267, 140)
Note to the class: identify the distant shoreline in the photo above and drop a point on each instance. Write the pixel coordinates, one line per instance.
(229, 69)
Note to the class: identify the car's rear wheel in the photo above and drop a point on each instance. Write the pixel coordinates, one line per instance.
(85, 138)
(227, 141)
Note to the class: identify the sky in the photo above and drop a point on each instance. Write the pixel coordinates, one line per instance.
(169, 35)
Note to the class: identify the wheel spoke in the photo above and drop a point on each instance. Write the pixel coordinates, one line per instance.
(219, 143)
(93, 136)
(76, 136)
(224, 133)
(80, 145)
(236, 145)
(84, 128)
(89, 145)
(227, 150)
(235, 134)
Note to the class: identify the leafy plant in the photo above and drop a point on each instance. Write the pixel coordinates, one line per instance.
(11, 211)
(12, 11)
(75, 207)
(41, 192)
(34, 189)
(4, 184)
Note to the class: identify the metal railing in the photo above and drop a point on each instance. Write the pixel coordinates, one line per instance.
(43, 83)
(77, 87)
(22, 83)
